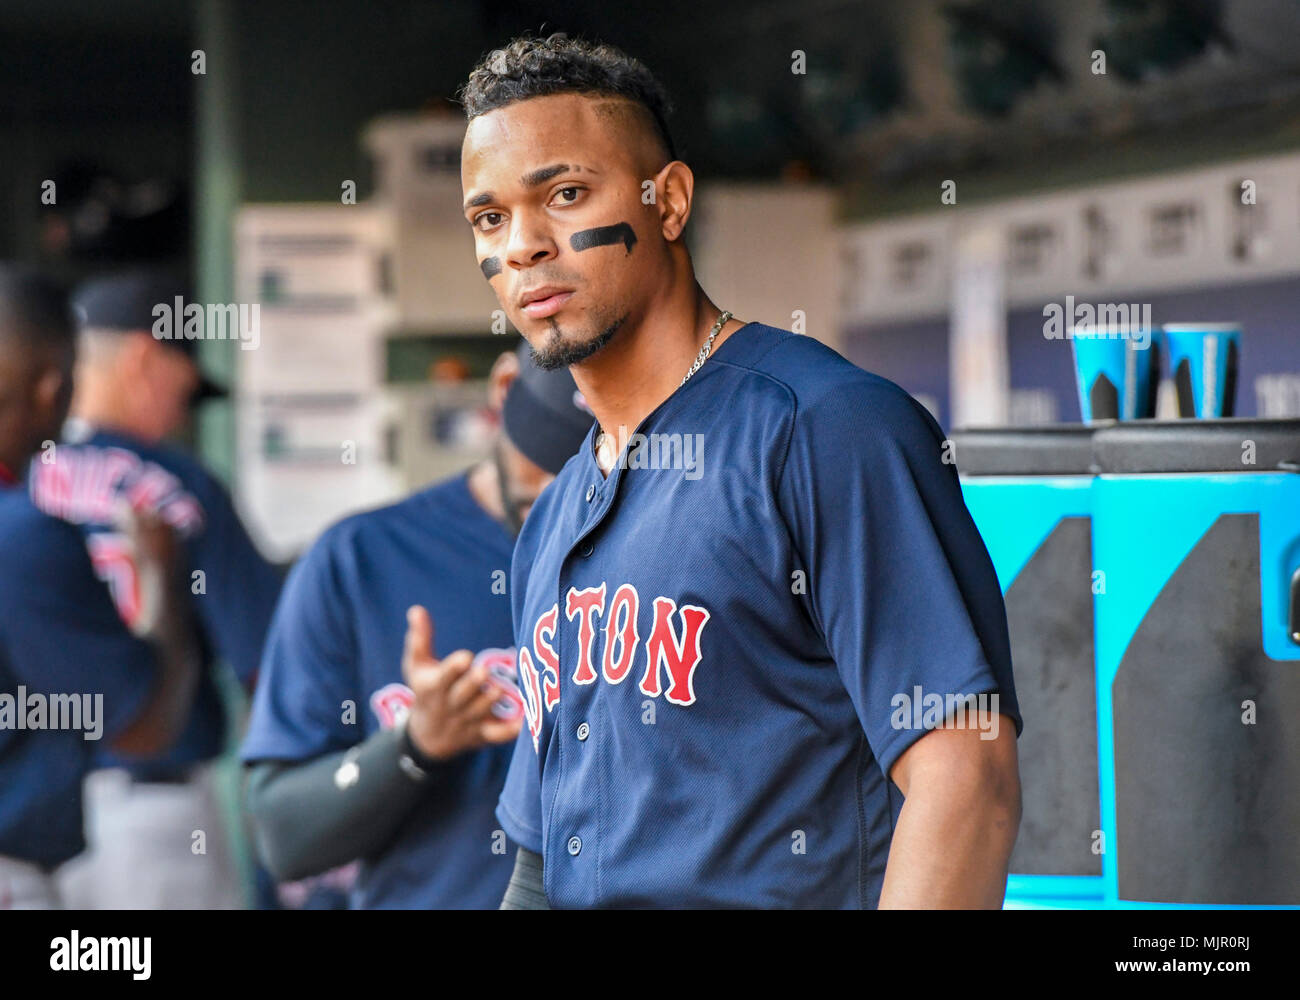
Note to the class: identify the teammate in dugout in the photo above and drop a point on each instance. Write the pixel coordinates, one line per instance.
(712, 653)
(71, 673)
(134, 391)
(360, 748)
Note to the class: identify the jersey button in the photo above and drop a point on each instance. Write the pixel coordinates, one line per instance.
(575, 845)
(591, 492)
(587, 548)
(584, 731)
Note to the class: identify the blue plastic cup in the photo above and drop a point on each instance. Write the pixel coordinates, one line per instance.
(1117, 373)
(1204, 360)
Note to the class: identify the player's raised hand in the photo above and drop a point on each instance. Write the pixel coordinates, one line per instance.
(165, 619)
(159, 569)
(452, 707)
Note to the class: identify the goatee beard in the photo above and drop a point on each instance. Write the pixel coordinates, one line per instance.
(557, 353)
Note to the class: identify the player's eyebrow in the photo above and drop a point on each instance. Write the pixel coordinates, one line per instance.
(532, 179)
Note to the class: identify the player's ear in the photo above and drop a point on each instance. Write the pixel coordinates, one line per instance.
(676, 184)
(504, 371)
(51, 396)
(137, 354)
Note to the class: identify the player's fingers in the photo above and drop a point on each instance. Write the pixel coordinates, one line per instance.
(466, 686)
(450, 669)
(417, 656)
(480, 706)
(499, 730)
(419, 632)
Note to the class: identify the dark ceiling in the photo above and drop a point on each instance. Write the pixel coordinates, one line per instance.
(891, 90)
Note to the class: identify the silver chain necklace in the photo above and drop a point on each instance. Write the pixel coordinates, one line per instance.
(605, 444)
(707, 349)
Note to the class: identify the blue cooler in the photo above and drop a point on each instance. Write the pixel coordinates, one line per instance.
(1196, 528)
(1029, 492)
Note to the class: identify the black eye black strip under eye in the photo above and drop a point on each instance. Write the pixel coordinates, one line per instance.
(491, 267)
(601, 236)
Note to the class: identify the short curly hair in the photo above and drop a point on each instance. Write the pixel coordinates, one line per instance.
(537, 67)
(35, 311)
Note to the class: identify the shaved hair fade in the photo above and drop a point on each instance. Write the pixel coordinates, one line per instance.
(539, 67)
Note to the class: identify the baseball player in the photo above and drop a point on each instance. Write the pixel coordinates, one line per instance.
(360, 748)
(736, 605)
(71, 673)
(157, 836)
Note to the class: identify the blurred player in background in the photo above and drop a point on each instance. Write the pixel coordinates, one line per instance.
(157, 836)
(71, 673)
(360, 748)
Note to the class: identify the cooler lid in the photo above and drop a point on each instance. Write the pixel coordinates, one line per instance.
(1225, 445)
(1050, 450)
(1131, 447)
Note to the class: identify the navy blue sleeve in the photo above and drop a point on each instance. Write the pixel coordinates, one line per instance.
(305, 703)
(61, 632)
(240, 586)
(898, 578)
(519, 810)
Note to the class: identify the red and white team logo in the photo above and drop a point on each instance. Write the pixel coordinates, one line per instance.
(501, 668)
(391, 704)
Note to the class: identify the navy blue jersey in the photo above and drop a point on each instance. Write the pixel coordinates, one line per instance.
(332, 676)
(725, 645)
(66, 661)
(233, 598)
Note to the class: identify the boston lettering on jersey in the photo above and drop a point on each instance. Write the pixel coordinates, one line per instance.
(669, 656)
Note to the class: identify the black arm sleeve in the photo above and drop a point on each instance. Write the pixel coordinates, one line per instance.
(525, 891)
(315, 815)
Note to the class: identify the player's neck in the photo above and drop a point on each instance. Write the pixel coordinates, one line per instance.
(97, 405)
(485, 487)
(645, 364)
